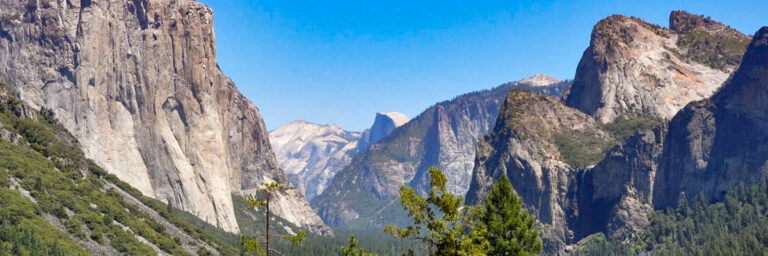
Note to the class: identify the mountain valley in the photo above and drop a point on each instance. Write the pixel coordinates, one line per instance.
(120, 134)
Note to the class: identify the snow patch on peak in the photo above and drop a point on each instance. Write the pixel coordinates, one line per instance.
(539, 80)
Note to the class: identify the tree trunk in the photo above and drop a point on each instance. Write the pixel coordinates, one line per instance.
(267, 233)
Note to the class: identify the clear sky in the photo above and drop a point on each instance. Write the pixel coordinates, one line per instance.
(340, 62)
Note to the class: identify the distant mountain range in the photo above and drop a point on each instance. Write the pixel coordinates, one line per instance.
(444, 135)
(119, 134)
(311, 154)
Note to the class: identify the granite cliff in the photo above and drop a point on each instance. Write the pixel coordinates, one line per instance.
(717, 143)
(538, 143)
(137, 83)
(383, 125)
(444, 135)
(655, 158)
(633, 67)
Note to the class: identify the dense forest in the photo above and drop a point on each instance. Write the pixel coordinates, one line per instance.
(738, 225)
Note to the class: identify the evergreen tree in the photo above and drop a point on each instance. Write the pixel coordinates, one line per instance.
(251, 244)
(353, 250)
(506, 225)
(447, 224)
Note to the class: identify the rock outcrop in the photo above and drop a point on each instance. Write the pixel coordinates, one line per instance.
(311, 154)
(708, 147)
(383, 125)
(537, 142)
(444, 136)
(717, 143)
(634, 67)
(138, 84)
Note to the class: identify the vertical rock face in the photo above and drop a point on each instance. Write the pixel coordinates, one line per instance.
(443, 136)
(311, 154)
(715, 144)
(532, 144)
(382, 126)
(615, 196)
(632, 66)
(708, 147)
(138, 84)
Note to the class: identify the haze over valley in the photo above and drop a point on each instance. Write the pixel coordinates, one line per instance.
(461, 132)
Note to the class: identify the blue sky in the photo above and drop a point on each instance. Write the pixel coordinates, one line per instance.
(340, 62)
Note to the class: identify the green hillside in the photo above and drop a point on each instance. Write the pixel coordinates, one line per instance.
(56, 201)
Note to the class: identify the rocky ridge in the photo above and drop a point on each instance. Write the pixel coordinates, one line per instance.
(717, 143)
(706, 148)
(444, 135)
(138, 85)
(634, 67)
(383, 125)
(311, 154)
(537, 142)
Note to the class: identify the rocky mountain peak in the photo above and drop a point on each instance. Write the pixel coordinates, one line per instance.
(137, 83)
(397, 118)
(540, 80)
(633, 67)
(540, 144)
(383, 125)
(311, 154)
(684, 22)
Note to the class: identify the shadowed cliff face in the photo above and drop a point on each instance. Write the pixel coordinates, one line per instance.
(137, 83)
(707, 147)
(383, 125)
(538, 143)
(634, 67)
(718, 143)
(443, 136)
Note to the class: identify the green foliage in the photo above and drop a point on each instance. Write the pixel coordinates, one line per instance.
(507, 227)
(49, 164)
(253, 244)
(598, 244)
(580, 149)
(352, 250)
(716, 50)
(738, 225)
(220, 240)
(10, 17)
(251, 224)
(443, 219)
(583, 149)
(24, 232)
(626, 125)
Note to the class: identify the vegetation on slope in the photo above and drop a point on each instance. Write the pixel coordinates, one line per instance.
(581, 150)
(45, 160)
(24, 232)
(499, 226)
(736, 226)
(717, 51)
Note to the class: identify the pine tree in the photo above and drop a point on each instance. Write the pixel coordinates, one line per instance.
(251, 244)
(447, 224)
(353, 250)
(506, 225)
